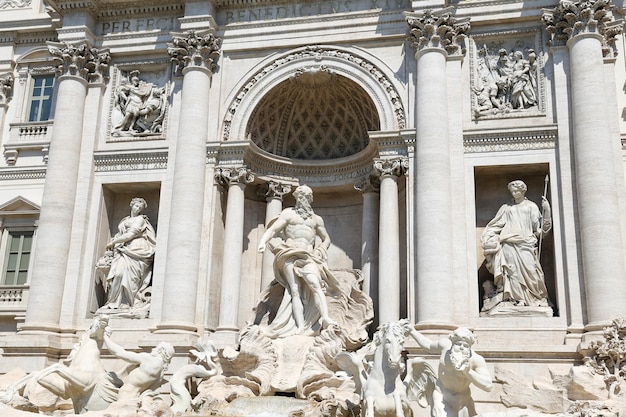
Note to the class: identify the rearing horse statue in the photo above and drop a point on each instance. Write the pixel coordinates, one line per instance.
(81, 377)
(377, 371)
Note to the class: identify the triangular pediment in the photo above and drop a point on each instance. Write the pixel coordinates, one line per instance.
(19, 206)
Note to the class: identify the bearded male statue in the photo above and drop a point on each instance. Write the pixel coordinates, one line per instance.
(300, 265)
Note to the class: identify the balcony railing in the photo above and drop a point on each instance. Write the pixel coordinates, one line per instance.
(27, 136)
(13, 298)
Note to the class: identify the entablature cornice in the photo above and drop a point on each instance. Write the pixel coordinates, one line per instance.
(394, 143)
(73, 6)
(29, 173)
(36, 38)
(151, 8)
(340, 171)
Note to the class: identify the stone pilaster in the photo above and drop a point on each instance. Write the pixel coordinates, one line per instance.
(435, 36)
(78, 63)
(588, 29)
(235, 180)
(370, 190)
(195, 55)
(389, 170)
(273, 192)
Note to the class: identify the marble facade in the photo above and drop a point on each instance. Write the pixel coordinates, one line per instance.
(406, 118)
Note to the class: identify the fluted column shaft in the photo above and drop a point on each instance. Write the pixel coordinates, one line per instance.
(192, 52)
(433, 211)
(274, 194)
(369, 236)
(235, 179)
(587, 29)
(389, 239)
(598, 207)
(59, 195)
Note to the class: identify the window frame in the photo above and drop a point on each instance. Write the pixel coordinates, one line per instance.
(7, 239)
(44, 100)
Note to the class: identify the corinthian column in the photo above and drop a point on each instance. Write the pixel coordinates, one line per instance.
(389, 238)
(77, 64)
(588, 30)
(369, 188)
(235, 179)
(435, 36)
(274, 193)
(195, 54)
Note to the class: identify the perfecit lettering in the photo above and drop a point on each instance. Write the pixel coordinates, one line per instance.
(139, 25)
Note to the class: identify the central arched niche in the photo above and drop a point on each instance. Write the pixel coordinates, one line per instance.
(313, 115)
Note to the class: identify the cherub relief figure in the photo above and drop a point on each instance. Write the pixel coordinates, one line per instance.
(505, 82)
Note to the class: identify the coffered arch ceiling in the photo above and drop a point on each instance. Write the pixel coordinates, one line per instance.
(315, 114)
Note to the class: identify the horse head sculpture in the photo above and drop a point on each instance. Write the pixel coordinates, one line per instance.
(377, 370)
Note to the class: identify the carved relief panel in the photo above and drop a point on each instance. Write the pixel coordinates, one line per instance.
(139, 103)
(507, 78)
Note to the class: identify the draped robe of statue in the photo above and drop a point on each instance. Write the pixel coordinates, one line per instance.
(131, 267)
(280, 320)
(510, 247)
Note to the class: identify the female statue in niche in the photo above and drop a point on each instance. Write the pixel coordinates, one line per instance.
(509, 244)
(126, 267)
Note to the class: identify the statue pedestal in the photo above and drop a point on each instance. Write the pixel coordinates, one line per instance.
(509, 310)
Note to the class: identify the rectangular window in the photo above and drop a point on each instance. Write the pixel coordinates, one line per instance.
(19, 246)
(41, 98)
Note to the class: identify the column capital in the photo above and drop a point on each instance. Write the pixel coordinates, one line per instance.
(195, 49)
(274, 190)
(80, 60)
(395, 167)
(233, 176)
(437, 30)
(6, 88)
(369, 184)
(584, 17)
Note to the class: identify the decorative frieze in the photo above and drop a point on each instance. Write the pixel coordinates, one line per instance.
(22, 174)
(510, 141)
(131, 161)
(36, 38)
(80, 60)
(438, 29)
(571, 18)
(195, 49)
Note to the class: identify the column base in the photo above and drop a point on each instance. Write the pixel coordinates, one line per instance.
(225, 336)
(38, 328)
(176, 327)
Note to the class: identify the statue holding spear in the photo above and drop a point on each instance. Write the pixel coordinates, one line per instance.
(511, 243)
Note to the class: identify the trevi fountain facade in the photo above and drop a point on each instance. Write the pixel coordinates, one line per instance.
(312, 208)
